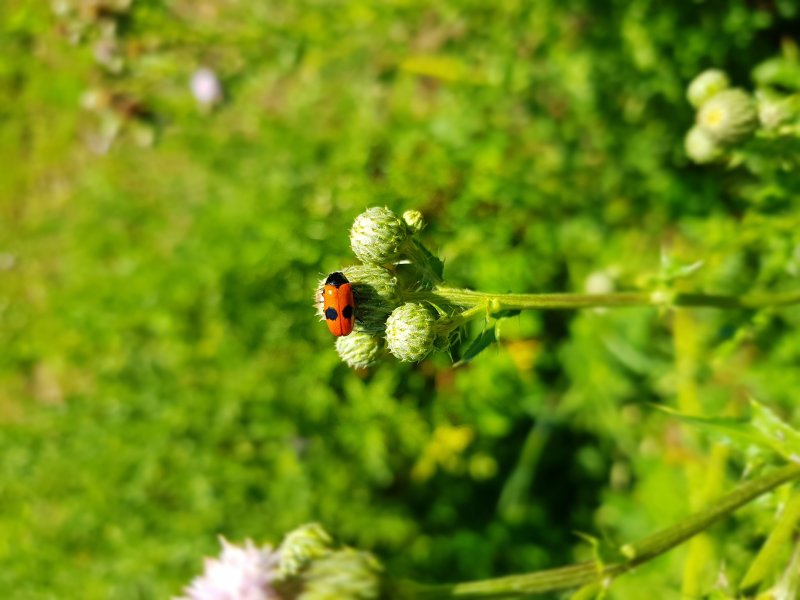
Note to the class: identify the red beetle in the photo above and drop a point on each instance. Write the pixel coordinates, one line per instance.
(338, 304)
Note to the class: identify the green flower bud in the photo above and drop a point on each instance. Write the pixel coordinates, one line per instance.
(729, 117)
(301, 546)
(410, 332)
(360, 350)
(706, 85)
(380, 281)
(374, 293)
(700, 146)
(344, 574)
(773, 110)
(414, 220)
(377, 236)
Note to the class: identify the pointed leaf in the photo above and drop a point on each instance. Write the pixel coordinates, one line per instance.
(433, 262)
(762, 430)
(505, 313)
(772, 427)
(485, 339)
(771, 553)
(671, 269)
(591, 591)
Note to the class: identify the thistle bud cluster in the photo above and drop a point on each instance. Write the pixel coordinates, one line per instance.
(725, 117)
(393, 263)
(306, 566)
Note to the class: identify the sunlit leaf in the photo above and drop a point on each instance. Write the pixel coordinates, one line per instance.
(762, 429)
(505, 313)
(773, 552)
(783, 437)
(485, 339)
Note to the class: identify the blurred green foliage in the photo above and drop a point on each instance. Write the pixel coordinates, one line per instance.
(163, 378)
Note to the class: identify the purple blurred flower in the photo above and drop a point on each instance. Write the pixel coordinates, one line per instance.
(206, 88)
(240, 573)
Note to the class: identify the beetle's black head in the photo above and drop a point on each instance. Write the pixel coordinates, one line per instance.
(336, 279)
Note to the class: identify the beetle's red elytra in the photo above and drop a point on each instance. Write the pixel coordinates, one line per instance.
(338, 304)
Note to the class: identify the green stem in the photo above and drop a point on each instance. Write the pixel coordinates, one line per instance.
(451, 324)
(789, 585)
(496, 302)
(779, 538)
(564, 578)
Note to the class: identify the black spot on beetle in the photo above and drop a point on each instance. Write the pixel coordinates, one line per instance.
(331, 314)
(336, 279)
(347, 312)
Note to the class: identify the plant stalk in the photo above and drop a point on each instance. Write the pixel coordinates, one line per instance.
(564, 578)
(495, 302)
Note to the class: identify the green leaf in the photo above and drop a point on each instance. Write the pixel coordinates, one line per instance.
(432, 262)
(485, 339)
(590, 591)
(763, 429)
(782, 435)
(778, 71)
(672, 269)
(789, 585)
(505, 313)
(772, 552)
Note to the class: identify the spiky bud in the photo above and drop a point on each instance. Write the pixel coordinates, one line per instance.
(774, 110)
(360, 350)
(378, 235)
(728, 117)
(414, 220)
(410, 332)
(379, 281)
(342, 574)
(374, 293)
(301, 546)
(706, 85)
(701, 147)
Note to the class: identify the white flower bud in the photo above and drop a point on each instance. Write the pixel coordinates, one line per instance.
(303, 545)
(700, 146)
(410, 332)
(377, 236)
(729, 117)
(706, 85)
(414, 220)
(599, 282)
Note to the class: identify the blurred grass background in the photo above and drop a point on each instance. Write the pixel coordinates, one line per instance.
(163, 377)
